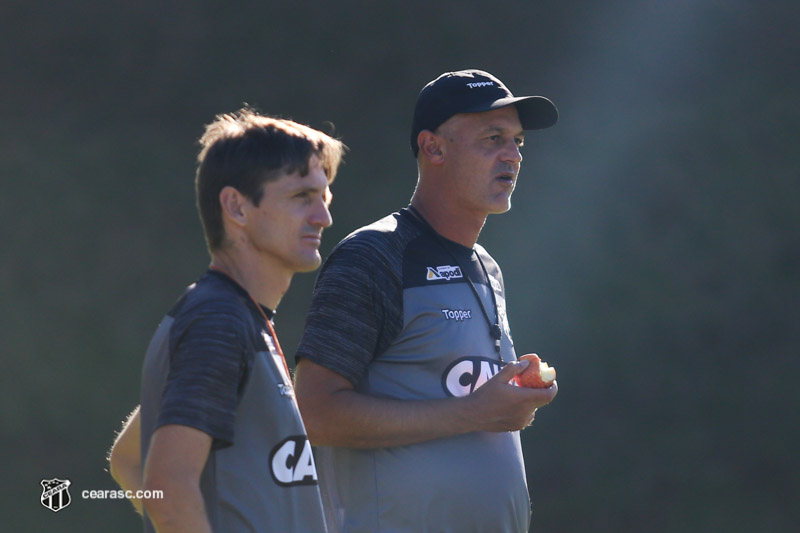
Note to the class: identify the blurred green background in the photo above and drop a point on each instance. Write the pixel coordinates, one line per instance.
(652, 254)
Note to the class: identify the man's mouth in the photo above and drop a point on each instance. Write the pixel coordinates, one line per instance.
(505, 178)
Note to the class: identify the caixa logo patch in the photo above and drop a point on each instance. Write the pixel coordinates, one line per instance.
(465, 375)
(292, 463)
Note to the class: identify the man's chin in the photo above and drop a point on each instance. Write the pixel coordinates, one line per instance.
(309, 265)
(501, 208)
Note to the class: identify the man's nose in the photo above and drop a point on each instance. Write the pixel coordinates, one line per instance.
(322, 215)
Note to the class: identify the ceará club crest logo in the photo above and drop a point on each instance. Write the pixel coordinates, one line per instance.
(55, 494)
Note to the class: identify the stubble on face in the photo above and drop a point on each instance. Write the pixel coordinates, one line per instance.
(291, 217)
(482, 157)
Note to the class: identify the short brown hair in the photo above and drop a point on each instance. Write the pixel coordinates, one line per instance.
(244, 150)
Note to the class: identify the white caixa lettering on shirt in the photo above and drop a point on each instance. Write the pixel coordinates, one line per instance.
(466, 374)
(292, 463)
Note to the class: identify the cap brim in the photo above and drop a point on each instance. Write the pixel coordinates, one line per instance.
(535, 112)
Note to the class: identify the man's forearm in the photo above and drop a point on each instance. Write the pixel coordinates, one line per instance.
(180, 511)
(337, 415)
(355, 420)
(125, 460)
(174, 466)
(129, 478)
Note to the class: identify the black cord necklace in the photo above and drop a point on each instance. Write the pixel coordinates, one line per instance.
(495, 331)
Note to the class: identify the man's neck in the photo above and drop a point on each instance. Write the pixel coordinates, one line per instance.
(265, 284)
(451, 224)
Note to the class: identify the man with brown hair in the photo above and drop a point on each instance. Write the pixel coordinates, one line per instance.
(219, 431)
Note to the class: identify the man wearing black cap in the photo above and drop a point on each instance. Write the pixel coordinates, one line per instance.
(404, 367)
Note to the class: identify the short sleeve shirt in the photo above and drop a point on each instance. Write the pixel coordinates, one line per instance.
(393, 312)
(213, 365)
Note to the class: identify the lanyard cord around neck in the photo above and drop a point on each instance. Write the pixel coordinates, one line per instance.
(495, 332)
(263, 315)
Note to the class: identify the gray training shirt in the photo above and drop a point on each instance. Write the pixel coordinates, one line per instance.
(394, 314)
(212, 365)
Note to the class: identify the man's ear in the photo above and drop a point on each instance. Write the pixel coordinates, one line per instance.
(430, 146)
(233, 205)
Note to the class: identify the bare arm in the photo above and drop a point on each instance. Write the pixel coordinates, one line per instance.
(336, 415)
(125, 458)
(174, 464)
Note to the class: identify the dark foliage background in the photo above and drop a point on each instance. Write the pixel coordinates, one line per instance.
(652, 252)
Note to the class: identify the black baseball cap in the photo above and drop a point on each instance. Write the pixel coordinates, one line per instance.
(471, 91)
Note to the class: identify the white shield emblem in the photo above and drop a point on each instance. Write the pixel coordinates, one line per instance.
(55, 494)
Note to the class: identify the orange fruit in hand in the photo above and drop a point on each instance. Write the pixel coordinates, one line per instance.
(538, 375)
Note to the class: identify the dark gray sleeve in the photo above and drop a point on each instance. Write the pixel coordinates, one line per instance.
(355, 313)
(206, 371)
